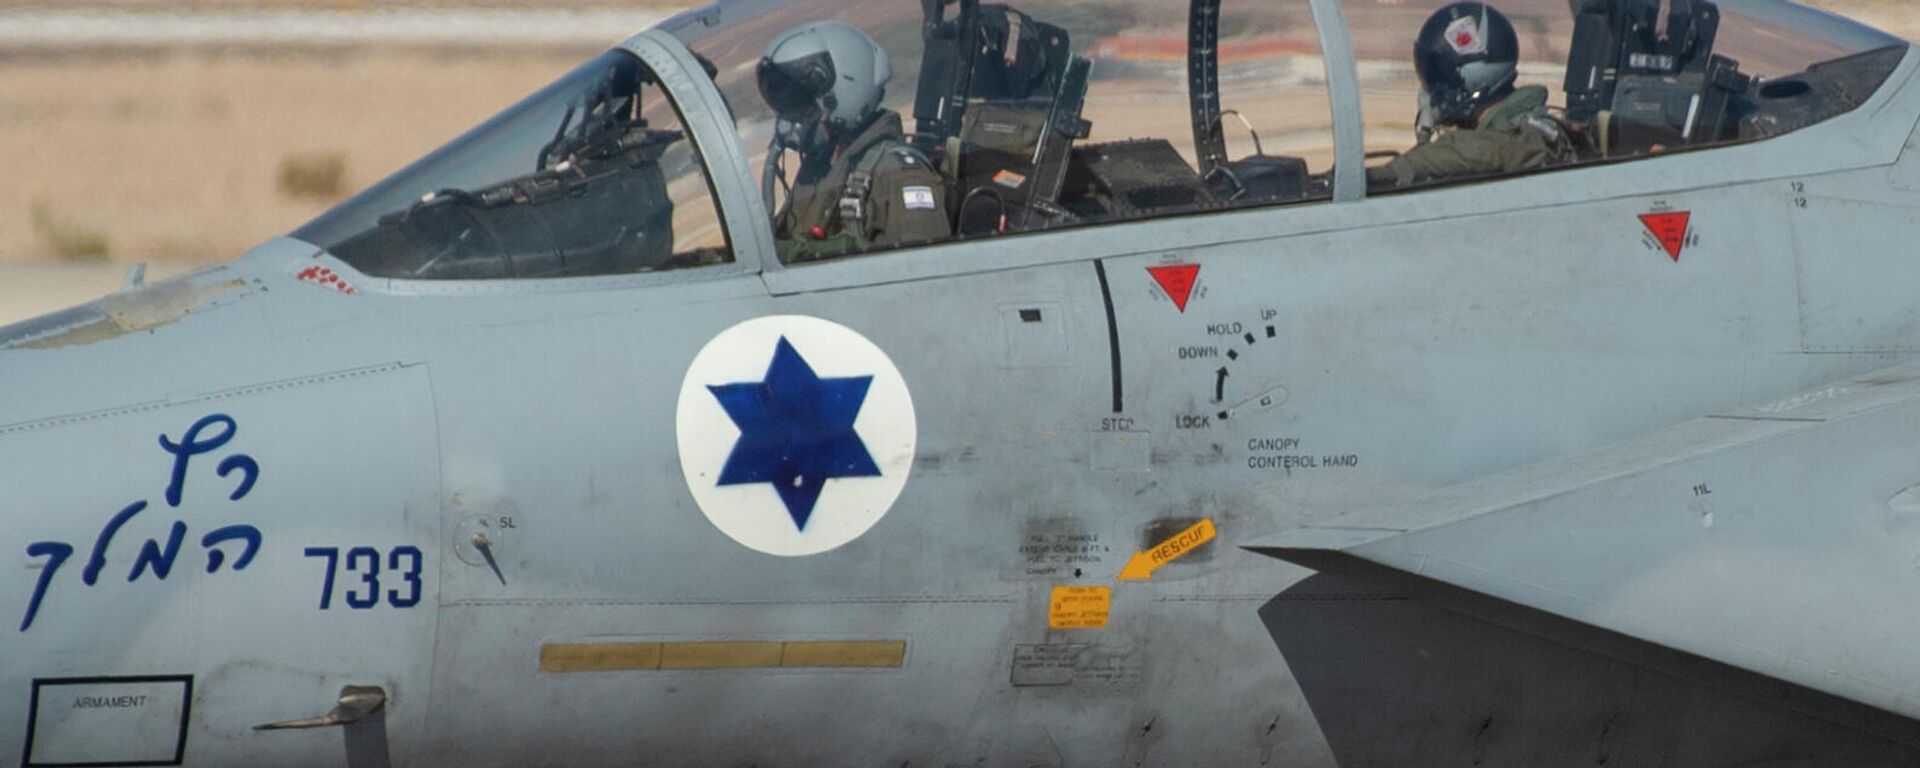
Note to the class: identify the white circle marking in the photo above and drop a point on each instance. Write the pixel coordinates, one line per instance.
(754, 513)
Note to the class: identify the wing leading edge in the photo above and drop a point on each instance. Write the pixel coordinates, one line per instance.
(1782, 539)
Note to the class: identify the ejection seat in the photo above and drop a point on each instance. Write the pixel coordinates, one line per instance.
(1259, 176)
(998, 105)
(1633, 88)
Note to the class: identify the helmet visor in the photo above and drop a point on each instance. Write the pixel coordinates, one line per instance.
(795, 87)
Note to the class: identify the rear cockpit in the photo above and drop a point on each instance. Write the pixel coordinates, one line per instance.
(1636, 78)
(1047, 114)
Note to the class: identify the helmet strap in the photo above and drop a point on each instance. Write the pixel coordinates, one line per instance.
(1425, 121)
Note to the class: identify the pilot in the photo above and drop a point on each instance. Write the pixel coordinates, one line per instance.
(860, 184)
(1467, 57)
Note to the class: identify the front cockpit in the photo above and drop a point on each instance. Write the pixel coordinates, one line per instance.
(1049, 114)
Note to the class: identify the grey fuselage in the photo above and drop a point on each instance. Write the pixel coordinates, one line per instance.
(1069, 414)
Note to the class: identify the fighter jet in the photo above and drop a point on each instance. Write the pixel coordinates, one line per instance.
(599, 437)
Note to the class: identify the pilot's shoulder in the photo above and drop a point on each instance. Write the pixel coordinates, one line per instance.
(902, 157)
(901, 166)
(1544, 126)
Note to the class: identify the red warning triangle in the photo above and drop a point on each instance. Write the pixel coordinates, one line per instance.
(1670, 228)
(1177, 280)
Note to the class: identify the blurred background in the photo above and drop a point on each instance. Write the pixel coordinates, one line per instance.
(180, 132)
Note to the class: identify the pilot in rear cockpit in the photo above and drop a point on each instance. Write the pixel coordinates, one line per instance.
(859, 184)
(1473, 121)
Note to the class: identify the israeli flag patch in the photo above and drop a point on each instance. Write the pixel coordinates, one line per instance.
(918, 198)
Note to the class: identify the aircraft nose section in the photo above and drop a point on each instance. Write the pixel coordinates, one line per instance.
(130, 347)
(240, 324)
(120, 314)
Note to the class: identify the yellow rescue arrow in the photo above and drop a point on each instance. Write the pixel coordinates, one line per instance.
(1143, 564)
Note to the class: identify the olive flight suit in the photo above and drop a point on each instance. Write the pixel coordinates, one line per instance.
(878, 192)
(1513, 135)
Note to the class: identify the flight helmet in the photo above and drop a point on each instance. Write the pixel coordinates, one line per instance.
(823, 80)
(1467, 57)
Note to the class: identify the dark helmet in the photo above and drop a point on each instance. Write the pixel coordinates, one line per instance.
(1467, 57)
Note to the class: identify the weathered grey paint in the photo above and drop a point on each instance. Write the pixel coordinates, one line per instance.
(1419, 341)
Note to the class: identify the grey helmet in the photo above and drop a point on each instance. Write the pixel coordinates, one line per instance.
(823, 80)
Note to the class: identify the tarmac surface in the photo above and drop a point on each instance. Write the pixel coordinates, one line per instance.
(23, 30)
(30, 290)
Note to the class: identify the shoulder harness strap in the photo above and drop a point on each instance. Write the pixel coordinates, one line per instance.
(1558, 136)
(859, 188)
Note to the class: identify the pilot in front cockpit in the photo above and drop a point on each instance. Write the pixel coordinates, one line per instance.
(1467, 58)
(859, 184)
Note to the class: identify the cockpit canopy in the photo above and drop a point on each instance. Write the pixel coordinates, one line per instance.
(1042, 114)
(593, 175)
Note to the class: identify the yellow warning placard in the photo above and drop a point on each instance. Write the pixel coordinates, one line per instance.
(1079, 607)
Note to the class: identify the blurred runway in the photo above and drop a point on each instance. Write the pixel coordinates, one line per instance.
(28, 29)
(29, 290)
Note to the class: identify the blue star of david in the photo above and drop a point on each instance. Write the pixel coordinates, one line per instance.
(796, 431)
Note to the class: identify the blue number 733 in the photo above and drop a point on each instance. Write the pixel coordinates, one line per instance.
(402, 570)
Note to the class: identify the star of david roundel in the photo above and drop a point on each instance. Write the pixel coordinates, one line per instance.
(796, 434)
